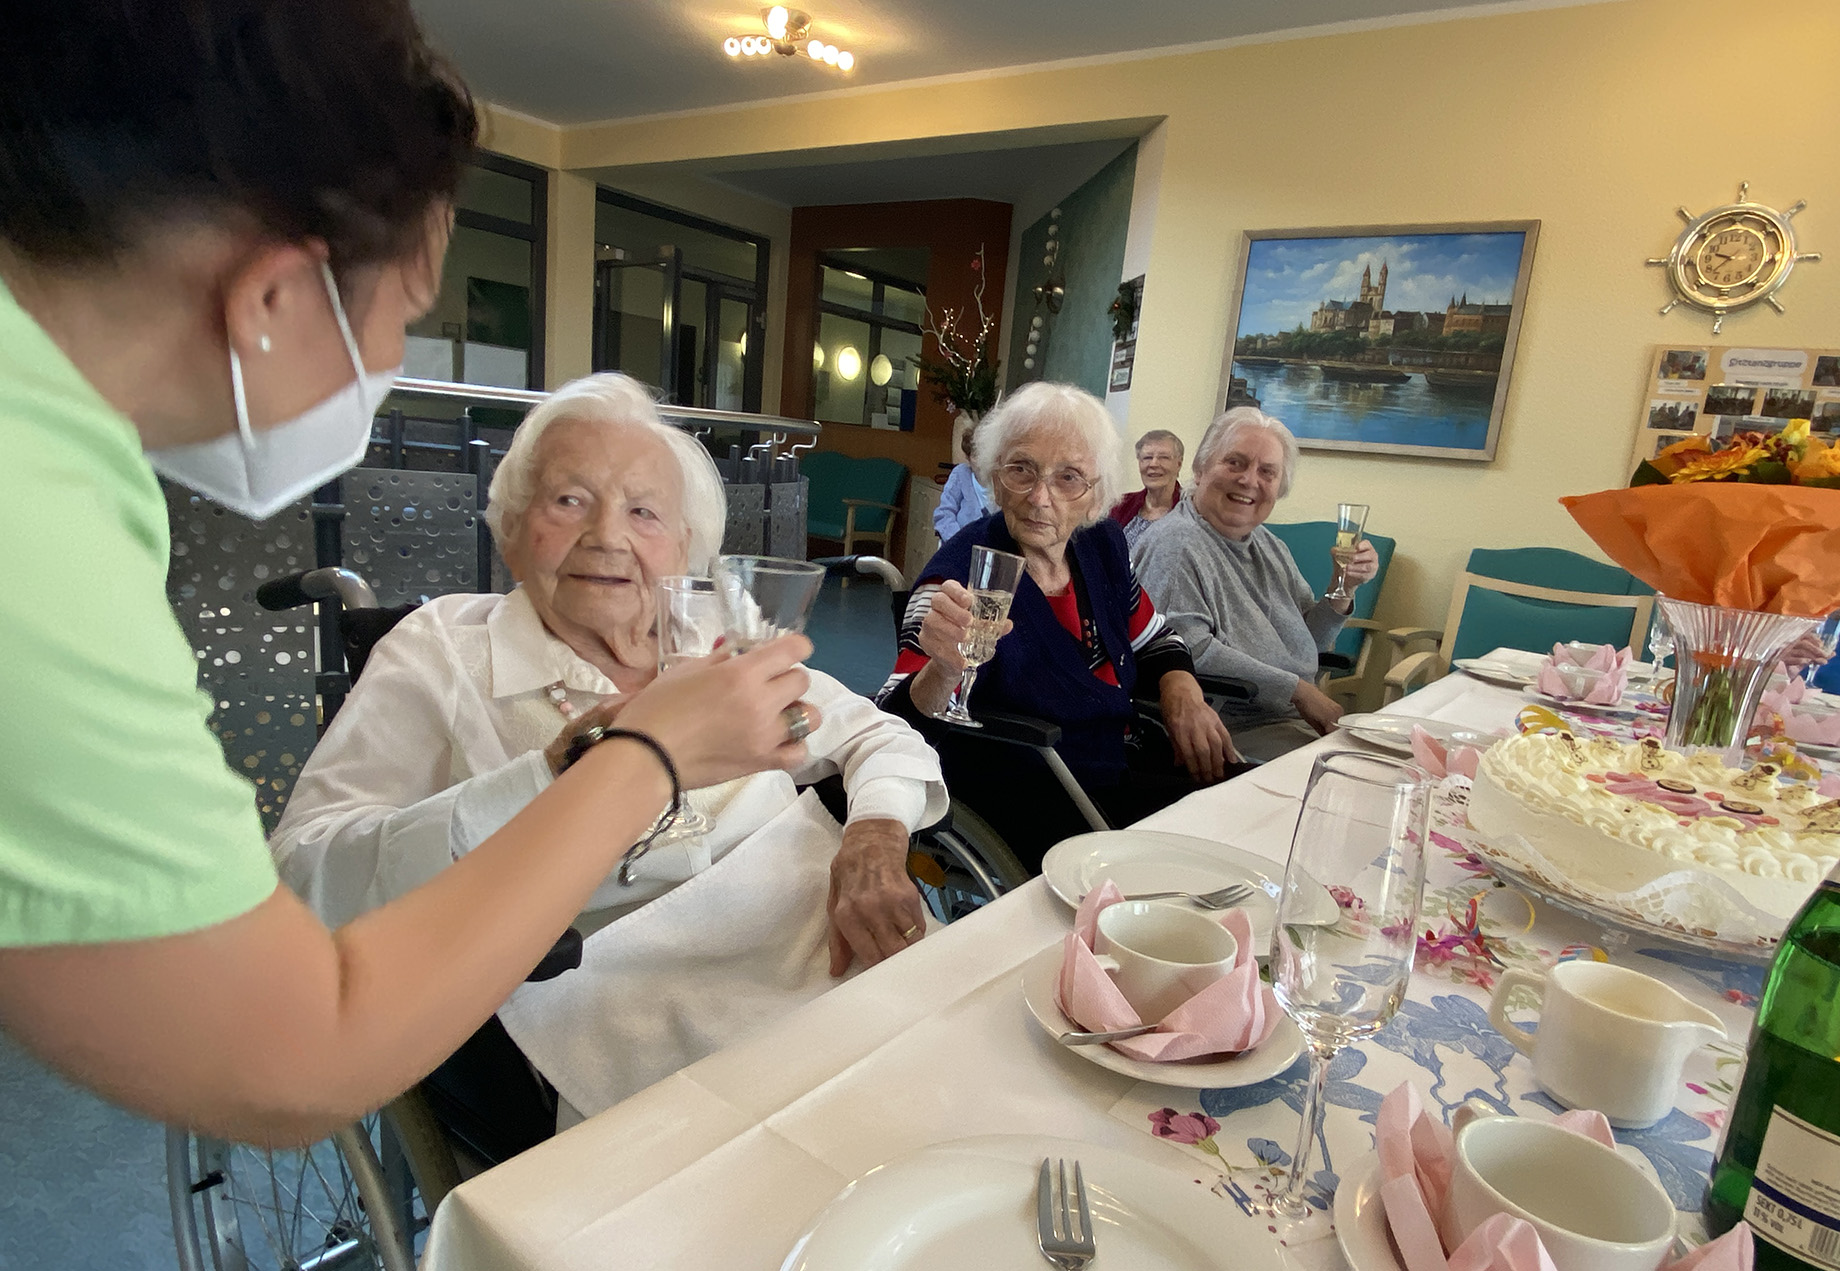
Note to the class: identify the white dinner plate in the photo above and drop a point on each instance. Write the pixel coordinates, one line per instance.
(1150, 860)
(971, 1203)
(1494, 672)
(1394, 732)
(1618, 711)
(1814, 751)
(1360, 1219)
(1247, 1068)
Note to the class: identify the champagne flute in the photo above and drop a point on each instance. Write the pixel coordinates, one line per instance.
(1660, 645)
(993, 580)
(1350, 520)
(1360, 838)
(1828, 633)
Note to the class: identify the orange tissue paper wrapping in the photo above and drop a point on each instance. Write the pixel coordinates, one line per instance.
(1774, 548)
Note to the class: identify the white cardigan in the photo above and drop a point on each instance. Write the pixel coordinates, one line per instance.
(441, 742)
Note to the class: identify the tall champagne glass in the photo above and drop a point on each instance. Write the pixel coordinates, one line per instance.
(1360, 838)
(1660, 645)
(993, 580)
(1350, 520)
(1828, 633)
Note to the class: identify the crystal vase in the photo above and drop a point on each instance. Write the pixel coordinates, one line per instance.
(1723, 659)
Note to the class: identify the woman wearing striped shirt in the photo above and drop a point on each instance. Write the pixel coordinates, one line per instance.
(1084, 638)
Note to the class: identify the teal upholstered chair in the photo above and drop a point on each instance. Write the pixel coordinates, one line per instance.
(852, 500)
(1309, 543)
(1525, 598)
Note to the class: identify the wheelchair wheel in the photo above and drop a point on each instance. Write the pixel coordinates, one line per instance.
(241, 1208)
(963, 865)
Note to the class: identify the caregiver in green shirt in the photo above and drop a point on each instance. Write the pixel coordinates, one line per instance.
(216, 219)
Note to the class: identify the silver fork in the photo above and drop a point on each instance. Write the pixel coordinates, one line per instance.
(1223, 898)
(1059, 1245)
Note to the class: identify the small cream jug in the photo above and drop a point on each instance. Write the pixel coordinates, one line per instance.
(1609, 1038)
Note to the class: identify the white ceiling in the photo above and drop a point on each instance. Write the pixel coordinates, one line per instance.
(574, 61)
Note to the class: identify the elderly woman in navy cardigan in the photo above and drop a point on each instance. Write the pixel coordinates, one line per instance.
(1084, 638)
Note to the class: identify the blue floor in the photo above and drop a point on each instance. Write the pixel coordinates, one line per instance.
(83, 1186)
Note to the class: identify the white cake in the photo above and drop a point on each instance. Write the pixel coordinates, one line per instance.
(1614, 816)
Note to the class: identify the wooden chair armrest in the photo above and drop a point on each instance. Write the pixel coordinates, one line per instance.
(1363, 624)
(870, 503)
(1403, 636)
(1400, 675)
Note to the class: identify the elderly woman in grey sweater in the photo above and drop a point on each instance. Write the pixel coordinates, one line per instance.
(1229, 586)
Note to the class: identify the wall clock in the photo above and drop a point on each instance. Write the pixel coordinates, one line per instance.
(1732, 257)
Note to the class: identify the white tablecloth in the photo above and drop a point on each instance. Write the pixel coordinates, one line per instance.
(726, 1162)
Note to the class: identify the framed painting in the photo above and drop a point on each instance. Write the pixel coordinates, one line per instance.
(1392, 340)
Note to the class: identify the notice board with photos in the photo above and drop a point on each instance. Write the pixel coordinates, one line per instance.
(1724, 389)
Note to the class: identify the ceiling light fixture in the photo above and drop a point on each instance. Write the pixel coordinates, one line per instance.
(787, 33)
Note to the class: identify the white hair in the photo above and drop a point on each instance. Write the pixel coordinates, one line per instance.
(1223, 432)
(612, 398)
(1042, 406)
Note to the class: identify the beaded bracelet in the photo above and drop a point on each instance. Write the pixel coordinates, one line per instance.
(586, 740)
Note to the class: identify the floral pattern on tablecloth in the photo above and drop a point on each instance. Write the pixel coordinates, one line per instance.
(1441, 1040)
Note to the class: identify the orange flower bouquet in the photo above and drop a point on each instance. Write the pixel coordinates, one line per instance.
(1743, 544)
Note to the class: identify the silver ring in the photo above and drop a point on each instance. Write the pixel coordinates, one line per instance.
(798, 721)
(909, 933)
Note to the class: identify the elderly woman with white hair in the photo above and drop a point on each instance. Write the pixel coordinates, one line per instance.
(1230, 587)
(465, 712)
(1084, 638)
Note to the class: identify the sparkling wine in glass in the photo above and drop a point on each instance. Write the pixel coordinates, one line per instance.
(1828, 633)
(993, 580)
(1360, 841)
(1350, 520)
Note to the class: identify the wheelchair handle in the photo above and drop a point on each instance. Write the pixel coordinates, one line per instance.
(294, 590)
(868, 566)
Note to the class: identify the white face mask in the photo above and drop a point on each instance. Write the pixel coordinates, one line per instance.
(259, 473)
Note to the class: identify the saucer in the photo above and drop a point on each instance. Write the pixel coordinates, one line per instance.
(1360, 1219)
(1247, 1068)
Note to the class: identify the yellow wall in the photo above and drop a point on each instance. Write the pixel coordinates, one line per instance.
(1595, 120)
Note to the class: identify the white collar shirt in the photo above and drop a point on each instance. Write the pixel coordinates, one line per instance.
(441, 742)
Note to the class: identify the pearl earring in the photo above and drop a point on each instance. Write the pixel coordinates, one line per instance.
(265, 344)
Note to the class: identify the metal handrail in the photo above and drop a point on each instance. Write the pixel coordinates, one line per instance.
(687, 416)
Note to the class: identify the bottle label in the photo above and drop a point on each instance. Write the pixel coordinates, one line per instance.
(1795, 1196)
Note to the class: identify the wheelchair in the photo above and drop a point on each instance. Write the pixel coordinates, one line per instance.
(361, 1198)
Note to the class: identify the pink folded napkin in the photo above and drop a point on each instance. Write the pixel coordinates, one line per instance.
(1816, 729)
(1232, 1014)
(1595, 678)
(1440, 761)
(1416, 1151)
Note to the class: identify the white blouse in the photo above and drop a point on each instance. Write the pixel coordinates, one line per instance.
(441, 742)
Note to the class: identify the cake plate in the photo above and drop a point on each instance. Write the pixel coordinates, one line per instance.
(1620, 925)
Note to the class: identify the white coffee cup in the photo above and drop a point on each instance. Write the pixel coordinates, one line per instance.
(1161, 955)
(1610, 1038)
(1593, 1210)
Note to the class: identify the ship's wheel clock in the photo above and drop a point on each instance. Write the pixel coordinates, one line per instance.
(1732, 257)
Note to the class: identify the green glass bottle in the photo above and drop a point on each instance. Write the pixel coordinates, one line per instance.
(1779, 1168)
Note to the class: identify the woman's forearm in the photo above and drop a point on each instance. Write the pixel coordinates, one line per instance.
(269, 1027)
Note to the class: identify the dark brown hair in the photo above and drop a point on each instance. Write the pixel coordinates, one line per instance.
(327, 119)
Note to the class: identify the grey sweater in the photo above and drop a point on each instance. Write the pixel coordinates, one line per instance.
(1241, 606)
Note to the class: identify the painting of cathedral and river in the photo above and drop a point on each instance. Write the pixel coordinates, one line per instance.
(1390, 341)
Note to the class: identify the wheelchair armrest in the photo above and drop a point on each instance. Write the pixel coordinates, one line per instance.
(1023, 730)
(1226, 686)
(291, 591)
(564, 955)
(1332, 661)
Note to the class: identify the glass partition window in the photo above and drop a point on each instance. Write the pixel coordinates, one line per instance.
(486, 327)
(866, 362)
(679, 303)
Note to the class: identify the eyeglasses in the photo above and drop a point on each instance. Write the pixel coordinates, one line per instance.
(1063, 487)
